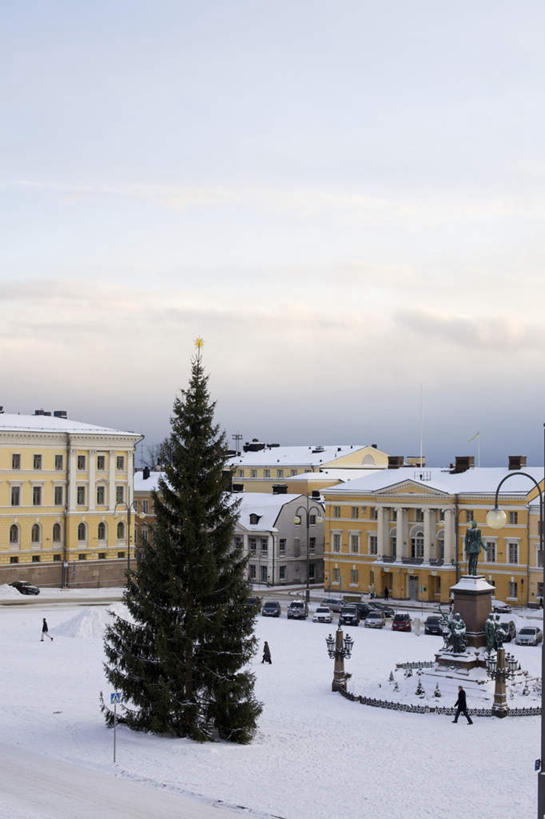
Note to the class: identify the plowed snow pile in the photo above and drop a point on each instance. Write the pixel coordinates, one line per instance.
(88, 623)
(8, 592)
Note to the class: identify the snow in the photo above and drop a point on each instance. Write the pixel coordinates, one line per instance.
(315, 754)
(295, 455)
(7, 592)
(11, 422)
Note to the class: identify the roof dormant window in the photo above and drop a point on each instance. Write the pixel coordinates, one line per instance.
(254, 519)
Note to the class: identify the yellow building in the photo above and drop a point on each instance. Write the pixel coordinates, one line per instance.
(267, 467)
(65, 487)
(404, 529)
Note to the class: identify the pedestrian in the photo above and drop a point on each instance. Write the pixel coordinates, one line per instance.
(461, 706)
(266, 654)
(45, 631)
(386, 593)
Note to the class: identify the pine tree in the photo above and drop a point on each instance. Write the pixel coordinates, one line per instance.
(181, 659)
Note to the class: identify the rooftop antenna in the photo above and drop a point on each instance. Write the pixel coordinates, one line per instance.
(476, 437)
(421, 426)
(237, 438)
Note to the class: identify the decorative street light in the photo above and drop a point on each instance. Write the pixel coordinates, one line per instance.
(496, 519)
(338, 648)
(130, 507)
(499, 671)
(298, 519)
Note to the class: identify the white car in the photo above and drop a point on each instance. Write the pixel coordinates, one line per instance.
(323, 614)
(500, 607)
(529, 636)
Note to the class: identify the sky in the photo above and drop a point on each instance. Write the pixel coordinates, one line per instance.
(344, 199)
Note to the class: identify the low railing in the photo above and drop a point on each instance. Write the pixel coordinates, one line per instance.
(441, 710)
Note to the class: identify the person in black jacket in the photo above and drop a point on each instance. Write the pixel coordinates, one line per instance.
(461, 706)
(266, 654)
(45, 632)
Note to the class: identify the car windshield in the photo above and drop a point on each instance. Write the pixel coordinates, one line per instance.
(322, 611)
(270, 605)
(434, 619)
(530, 631)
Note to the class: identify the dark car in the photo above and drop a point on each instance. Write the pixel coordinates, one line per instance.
(510, 629)
(433, 624)
(349, 615)
(401, 622)
(254, 603)
(363, 609)
(271, 608)
(387, 610)
(24, 587)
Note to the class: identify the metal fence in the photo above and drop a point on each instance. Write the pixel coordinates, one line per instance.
(391, 705)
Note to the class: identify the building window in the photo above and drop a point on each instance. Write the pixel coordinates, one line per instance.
(102, 555)
(56, 558)
(282, 572)
(239, 542)
(120, 530)
(252, 571)
(337, 542)
(373, 545)
(101, 531)
(37, 461)
(355, 543)
(101, 463)
(312, 543)
(355, 512)
(267, 473)
(311, 571)
(253, 473)
(14, 559)
(513, 553)
(119, 494)
(252, 542)
(58, 496)
(240, 473)
(279, 473)
(35, 558)
(35, 535)
(419, 515)
(82, 557)
(282, 545)
(540, 589)
(312, 519)
(354, 577)
(293, 472)
(254, 519)
(101, 495)
(417, 545)
(336, 575)
(81, 462)
(82, 532)
(80, 495)
(513, 518)
(490, 551)
(36, 495)
(121, 555)
(57, 533)
(15, 495)
(144, 535)
(441, 516)
(263, 574)
(264, 544)
(59, 462)
(14, 533)
(374, 513)
(393, 545)
(513, 590)
(16, 461)
(145, 507)
(120, 463)
(539, 558)
(336, 511)
(470, 515)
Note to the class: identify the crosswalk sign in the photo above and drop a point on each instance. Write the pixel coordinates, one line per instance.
(115, 696)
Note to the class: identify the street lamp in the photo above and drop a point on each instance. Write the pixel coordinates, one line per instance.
(298, 519)
(496, 519)
(129, 507)
(339, 648)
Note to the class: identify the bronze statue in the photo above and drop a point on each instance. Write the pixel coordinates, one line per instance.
(454, 634)
(495, 633)
(473, 545)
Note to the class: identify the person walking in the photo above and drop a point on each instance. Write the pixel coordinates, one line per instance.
(45, 631)
(266, 654)
(461, 706)
(386, 593)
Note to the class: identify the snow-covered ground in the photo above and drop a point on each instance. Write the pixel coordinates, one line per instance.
(315, 755)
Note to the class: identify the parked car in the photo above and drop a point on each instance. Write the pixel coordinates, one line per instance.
(297, 610)
(349, 615)
(501, 608)
(364, 609)
(323, 614)
(402, 622)
(433, 624)
(387, 610)
(271, 608)
(24, 587)
(510, 629)
(334, 603)
(375, 619)
(254, 603)
(529, 636)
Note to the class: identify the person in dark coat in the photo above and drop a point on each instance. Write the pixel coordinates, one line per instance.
(45, 631)
(461, 706)
(266, 654)
(386, 593)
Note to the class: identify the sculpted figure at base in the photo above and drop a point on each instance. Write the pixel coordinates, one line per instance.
(494, 632)
(454, 635)
(473, 544)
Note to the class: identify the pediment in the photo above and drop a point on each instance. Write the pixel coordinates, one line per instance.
(409, 487)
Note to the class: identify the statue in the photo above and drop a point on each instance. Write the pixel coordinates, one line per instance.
(495, 633)
(454, 635)
(473, 545)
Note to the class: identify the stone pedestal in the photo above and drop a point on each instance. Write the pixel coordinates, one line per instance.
(472, 596)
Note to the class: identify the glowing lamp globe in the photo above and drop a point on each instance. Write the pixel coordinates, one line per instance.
(496, 518)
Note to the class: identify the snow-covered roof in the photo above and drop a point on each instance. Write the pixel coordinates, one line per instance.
(341, 475)
(148, 484)
(265, 505)
(478, 480)
(12, 422)
(312, 455)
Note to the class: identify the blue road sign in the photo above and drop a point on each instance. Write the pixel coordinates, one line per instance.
(115, 697)
(537, 764)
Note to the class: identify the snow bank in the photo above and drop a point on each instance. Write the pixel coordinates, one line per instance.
(8, 592)
(88, 623)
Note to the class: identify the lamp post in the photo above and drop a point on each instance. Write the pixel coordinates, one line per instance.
(496, 519)
(339, 648)
(298, 519)
(129, 507)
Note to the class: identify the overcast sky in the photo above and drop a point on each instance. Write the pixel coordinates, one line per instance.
(345, 199)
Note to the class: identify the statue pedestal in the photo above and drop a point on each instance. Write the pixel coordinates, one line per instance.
(473, 601)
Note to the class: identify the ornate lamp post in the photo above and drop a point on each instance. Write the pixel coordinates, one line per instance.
(338, 648)
(496, 519)
(298, 519)
(499, 672)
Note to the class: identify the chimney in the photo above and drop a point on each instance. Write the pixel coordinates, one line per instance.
(463, 462)
(60, 414)
(395, 461)
(517, 462)
(145, 473)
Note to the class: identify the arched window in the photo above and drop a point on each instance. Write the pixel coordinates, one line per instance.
(35, 533)
(102, 531)
(120, 531)
(56, 533)
(417, 543)
(82, 532)
(14, 533)
(368, 460)
(440, 547)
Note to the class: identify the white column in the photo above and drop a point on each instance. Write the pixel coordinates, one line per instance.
(111, 480)
(91, 500)
(427, 534)
(72, 480)
(449, 536)
(400, 520)
(380, 532)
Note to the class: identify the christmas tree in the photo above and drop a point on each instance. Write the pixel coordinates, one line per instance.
(181, 658)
